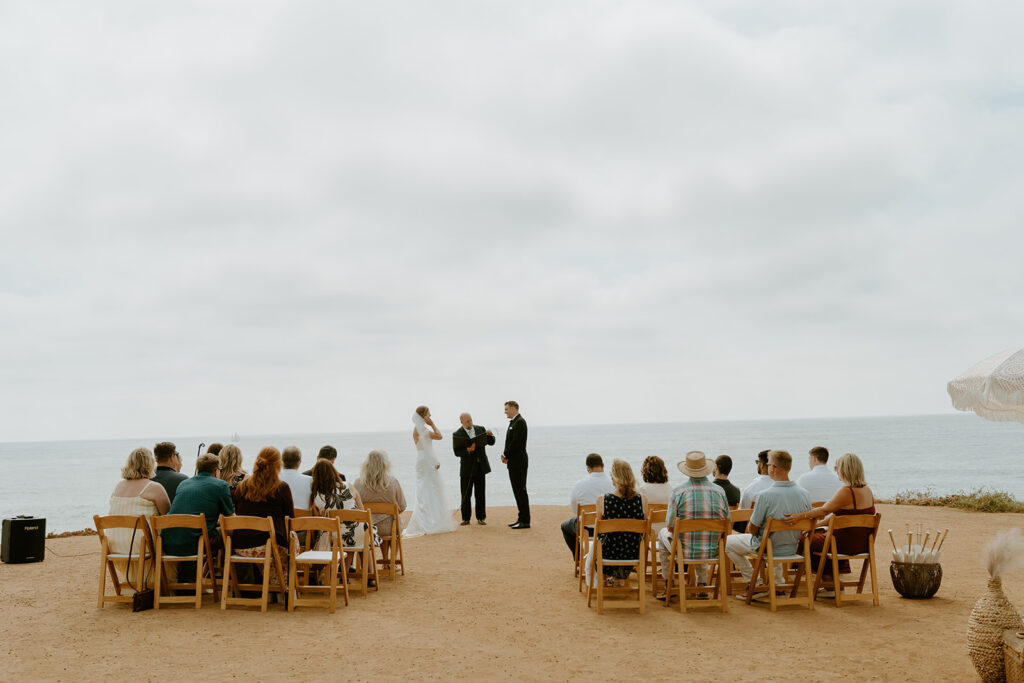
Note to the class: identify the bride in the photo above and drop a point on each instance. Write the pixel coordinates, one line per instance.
(431, 514)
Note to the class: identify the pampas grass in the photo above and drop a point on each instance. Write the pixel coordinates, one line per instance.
(1004, 553)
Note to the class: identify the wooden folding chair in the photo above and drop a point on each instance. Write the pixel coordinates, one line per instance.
(766, 559)
(580, 510)
(302, 512)
(687, 578)
(298, 582)
(655, 515)
(396, 559)
(141, 554)
(830, 552)
(598, 563)
(736, 582)
(231, 589)
(202, 559)
(586, 518)
(366, 566)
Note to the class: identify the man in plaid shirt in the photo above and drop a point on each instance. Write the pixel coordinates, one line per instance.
(697, 498)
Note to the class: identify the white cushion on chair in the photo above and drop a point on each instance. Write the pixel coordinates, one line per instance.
(784, 558)
(620, 563)
(315, 556)
(181, 557)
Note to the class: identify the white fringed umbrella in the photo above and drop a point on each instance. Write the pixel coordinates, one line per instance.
(993, 388)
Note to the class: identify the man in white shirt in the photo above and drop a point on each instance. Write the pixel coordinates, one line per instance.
(586, 492)
(821, 482)
(760, 483)
(299, 483)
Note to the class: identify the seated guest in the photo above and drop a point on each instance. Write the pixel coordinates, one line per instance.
(780, 499)
(327, 453)
(655, 488)
(202, 494)
(624, 502)
(586, 492)
(299, 483)
(696, 498)
(168, 468)
(136, 495)
(820, 482)
(231, 465)
(329, 492)
(262, 494)
(214, 448)
(723, 466)
(855, 498)
(761, 482)
(377, 485)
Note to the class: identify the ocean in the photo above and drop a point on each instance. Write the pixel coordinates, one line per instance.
(67, 482)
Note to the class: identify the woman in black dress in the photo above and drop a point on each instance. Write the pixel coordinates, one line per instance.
(625, 502)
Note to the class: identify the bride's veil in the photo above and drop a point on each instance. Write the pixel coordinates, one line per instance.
(421, 424)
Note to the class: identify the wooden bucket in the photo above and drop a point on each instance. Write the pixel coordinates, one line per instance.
(915, 581)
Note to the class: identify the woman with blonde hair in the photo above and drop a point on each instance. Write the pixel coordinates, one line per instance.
(625, 502)
(231, 465)
(136, 495)
(376, 484)
(856, 498)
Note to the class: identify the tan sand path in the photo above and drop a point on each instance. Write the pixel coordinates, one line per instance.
(494, 604)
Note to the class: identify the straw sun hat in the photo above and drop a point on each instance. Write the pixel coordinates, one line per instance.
(696, 465)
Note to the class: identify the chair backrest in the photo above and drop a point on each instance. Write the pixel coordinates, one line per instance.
(382, 509)
(773, 525)
(588, 518)
(237, 522)
(740, 515)
(350, 515)
(734, 507)
(856, 521)
(108, 522)
(302, 512)
(178, 522)
(611, 526)
(584, 509)
(313, 524)
(716, 525)
(656, 516)
(656, 507)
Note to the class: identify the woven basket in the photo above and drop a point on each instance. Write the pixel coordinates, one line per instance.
(992, 615)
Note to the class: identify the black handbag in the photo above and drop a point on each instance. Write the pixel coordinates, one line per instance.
(142, 600)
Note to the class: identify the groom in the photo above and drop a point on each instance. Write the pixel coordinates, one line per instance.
(473, 468)
(517, 461)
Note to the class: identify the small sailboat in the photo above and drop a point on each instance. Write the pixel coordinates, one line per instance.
(235, 438)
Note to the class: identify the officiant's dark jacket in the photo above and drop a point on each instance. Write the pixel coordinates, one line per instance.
(475, 462)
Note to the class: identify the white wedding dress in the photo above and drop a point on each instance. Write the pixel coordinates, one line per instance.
(431, 515)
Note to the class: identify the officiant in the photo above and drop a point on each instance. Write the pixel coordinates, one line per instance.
(470, 443)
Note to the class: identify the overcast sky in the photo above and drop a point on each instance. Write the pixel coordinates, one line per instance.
(312, 217)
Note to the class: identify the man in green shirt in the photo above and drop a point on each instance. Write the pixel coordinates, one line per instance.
(206, 494)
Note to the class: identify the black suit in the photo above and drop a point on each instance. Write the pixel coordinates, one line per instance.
(473, 468)
(515, 455)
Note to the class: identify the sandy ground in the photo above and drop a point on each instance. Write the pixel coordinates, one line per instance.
(493, 603)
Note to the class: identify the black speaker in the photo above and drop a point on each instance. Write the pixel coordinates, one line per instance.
(24, 539)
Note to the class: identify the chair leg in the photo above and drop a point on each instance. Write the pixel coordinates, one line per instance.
(226, 577)
(293, 581)
(837, 581)
(266, 579)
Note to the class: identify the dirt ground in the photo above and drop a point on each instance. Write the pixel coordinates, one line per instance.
(490, 603)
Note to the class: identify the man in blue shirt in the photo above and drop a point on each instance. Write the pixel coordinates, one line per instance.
(206, 494)
(781, 498)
